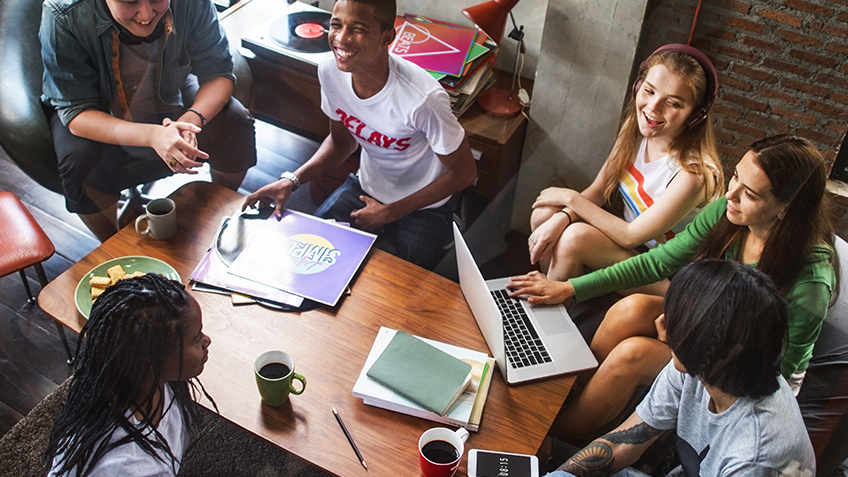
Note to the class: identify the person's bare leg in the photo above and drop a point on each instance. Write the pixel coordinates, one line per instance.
(541, 215)
(580, 246)
(538, 217)
(635, 362)
(103, 224)
(633, 315)
(230, 180)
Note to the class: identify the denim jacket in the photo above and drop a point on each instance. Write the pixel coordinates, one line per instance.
(76, 47)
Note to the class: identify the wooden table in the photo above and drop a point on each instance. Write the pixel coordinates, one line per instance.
(330, 346)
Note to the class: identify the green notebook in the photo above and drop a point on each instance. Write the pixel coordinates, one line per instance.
(421, 373)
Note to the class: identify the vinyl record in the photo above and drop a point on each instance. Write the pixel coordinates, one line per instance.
(302, 31)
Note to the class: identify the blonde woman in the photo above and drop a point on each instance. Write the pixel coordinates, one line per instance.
(664, 165)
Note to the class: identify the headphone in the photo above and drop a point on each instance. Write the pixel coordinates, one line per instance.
(700, 113)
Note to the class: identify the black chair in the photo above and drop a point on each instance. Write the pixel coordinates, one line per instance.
(24, 128)
(824, 394)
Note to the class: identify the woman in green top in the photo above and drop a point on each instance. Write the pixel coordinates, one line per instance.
(774, 216)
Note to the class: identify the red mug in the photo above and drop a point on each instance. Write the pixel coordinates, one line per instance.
(440, 450)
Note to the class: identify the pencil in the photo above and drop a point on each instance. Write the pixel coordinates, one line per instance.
(349, 438)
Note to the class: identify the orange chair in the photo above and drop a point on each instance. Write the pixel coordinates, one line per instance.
(24, 244)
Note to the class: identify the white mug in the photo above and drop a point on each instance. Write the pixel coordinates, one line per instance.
(161, 217)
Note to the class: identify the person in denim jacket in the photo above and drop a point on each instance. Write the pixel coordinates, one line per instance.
(133, 83)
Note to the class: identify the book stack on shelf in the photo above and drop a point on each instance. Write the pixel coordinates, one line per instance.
(426, 378)
(460, 58)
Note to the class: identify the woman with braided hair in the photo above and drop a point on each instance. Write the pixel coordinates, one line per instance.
(774, 216)
(131, 401)
(722, 393)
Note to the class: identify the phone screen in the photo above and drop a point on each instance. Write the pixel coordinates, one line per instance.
(492, 464)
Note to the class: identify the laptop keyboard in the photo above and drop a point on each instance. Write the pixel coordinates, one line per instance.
(522, 343)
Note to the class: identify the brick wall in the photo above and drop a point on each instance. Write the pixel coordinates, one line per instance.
(782, 66)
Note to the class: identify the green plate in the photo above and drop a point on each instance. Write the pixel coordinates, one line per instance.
(129, 264)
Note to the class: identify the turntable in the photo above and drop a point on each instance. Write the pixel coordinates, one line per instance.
(283, 44)
(300, 33)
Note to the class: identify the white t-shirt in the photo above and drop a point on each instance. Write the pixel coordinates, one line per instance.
(130, 460)
(753, 437)
(400, 129)
(643, 183)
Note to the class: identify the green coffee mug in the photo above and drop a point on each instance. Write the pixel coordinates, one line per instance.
(274, 371)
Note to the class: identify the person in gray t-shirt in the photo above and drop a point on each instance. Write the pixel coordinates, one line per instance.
(722, 392)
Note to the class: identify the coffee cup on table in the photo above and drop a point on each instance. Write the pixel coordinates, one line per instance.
(274, 371)
(440, 450)
(161, 217)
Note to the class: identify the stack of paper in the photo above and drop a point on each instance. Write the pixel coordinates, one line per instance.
(459, 57)
(466, 411)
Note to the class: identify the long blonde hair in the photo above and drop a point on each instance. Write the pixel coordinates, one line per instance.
(694, 148)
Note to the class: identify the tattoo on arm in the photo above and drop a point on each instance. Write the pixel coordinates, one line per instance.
(638, 434)
(596, 459)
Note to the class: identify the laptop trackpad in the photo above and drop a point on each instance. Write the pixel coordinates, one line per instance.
(552, 319)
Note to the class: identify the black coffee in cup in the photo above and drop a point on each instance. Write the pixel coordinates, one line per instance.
(440, 452)
(274, 371)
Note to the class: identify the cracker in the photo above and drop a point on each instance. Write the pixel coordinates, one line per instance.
(116, 273)
(100, 282)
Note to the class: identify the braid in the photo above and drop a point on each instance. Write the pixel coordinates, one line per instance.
(715, 336)
(731, 333)
(133, 327)
(711, 337)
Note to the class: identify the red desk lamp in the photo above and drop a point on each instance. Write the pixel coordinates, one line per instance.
(491, 17)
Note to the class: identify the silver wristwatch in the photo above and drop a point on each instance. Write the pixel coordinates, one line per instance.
(293, 178)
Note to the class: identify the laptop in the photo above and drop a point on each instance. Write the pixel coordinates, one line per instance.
(553, 344)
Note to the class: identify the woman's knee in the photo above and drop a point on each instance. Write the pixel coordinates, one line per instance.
(638, 358)
(635, 312)
(578, 239)
(541, 215)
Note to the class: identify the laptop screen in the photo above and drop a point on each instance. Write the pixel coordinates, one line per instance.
(482, 305)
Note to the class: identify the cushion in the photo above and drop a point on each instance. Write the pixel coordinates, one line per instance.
(22, 448)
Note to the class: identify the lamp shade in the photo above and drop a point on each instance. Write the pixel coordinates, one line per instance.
(491, 17)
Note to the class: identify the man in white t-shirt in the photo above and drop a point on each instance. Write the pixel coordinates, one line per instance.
(722, 394)
(414, 153)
